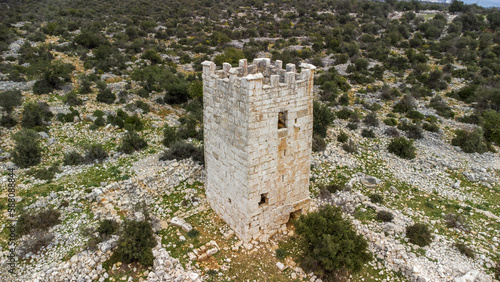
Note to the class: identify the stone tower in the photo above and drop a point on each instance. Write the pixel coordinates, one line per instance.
(258, 135)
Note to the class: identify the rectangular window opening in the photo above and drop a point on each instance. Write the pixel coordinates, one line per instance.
(282, 119)
(229, 200)
(263, 199)
(283, 178)
(284, 152)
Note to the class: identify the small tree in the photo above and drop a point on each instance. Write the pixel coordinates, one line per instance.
(322, 118)
(27, 150)
(402, 147)
(330, 245)
(95, 152)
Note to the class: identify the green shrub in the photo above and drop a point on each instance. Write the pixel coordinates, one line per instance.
(330, 245)
(106, 96)
(8, 121)
(73, 158)
(133, 123)
(27, 150)
(333, 187)
(169, 135)
(472, 118)
(38, 240)
(465, 250)
(98, 113)
(35, 114)
(368, 133)
(193, 233)
(350, 146)
(135, 244)
(439, 104)
(491, 126)
(322, 118)
(352, 126)
(99, 122)
(470, 141)
(415, 131)
(456, 221)
(10, 99)
(182, 150)
(419, 234)
(497, 270)
(371, 119)
(41, 220)
(390, 121)
(318, 143)
(384, 216)
(392, 132)
(46, 173)
(344, 113)
(432, 127)
(95, 152)
(402, 147)
(107, 227)
(406, 104)
(415, 115)
(132, 142)
(72, 99)
(281, 254)
(342, 137)
(376, 198)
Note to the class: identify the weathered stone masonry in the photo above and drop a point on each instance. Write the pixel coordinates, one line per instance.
(258, 135)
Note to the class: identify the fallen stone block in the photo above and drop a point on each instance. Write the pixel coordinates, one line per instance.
(179, 222)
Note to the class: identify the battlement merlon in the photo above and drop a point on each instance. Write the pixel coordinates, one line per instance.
(271, 75)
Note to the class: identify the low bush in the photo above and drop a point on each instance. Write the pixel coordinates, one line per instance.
(344, 113)
(470, 141)
(376, 198)
(472, 119)
(439, 104)
(106, 96)
(132, 142)
(391, 121)
(342, 137)
(193, 233)
(456, 221)
(325, 232)
(352, 126)
(368, 133)
(35, 114)
(107, 227)
(414, 131)
(392, 132)
(465, 250)
(8, 121)
(135, 244)
(322, 118)
(46, 173)
(95, 152)
(72, 99)
(415, 115)
(384, 216)
(27, 151)
(402, 147)
(73, 158)
(182, 150)
(406, 104)
(133, 123)
(42, 220)
(419, 234)
(318, 143)
(350, 146)
(431, 127)
(37, 240)
(281, 254)
(371, 119)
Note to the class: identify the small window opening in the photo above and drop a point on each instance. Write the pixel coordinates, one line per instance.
(284, 152)
(229, 200)
(283, 178)
(295, 120)
(282, 120)
(263, 199)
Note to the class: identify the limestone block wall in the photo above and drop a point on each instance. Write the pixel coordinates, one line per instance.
(258, 137)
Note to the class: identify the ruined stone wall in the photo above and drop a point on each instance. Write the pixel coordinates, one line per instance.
(257, 167)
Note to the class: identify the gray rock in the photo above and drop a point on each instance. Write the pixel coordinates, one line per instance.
(51, 141)
(43, 135)
(179, 222)
(470, 276)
